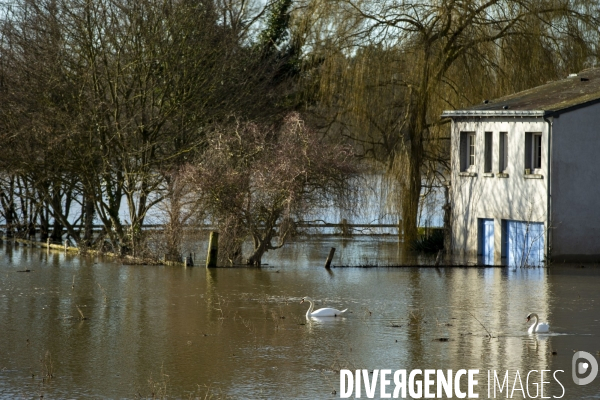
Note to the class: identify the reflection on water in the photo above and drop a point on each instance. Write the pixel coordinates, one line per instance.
(242, 332)
(355, 251)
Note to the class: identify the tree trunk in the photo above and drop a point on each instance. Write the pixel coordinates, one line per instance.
(174, 228)
(88, 219)
(57, 227)
(44, 224)
(260, 247)
(417, 129)
(7, 200)
(411, 196)
(9, 220)
(447, 220)
(256, 257)
(57, 231)
(414, 159)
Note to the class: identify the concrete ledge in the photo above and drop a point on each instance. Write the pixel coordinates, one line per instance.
(501, 175)
(533, 176)
(468, 174)
(46, 245)
(488, 174)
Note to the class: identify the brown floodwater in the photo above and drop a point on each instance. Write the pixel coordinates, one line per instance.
(241, 333)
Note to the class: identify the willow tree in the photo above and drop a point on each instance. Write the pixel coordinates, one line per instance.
(389, 69)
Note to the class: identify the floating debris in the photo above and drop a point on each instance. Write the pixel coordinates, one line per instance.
(82, 317)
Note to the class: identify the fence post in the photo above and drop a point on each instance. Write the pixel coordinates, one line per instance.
(213, 250)
(329, 257)
(188, 261)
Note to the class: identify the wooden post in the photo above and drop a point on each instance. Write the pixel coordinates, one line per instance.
(213, 250)
(329, 257)
(66, 246)
(188, 261)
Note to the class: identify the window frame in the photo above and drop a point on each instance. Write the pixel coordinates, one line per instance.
(533, 151)
(468, 151)
(471, 146)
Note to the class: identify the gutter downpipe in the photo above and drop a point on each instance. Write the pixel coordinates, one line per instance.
(549, 118)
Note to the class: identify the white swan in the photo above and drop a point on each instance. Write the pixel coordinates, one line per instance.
(537, 327)
(321, 312)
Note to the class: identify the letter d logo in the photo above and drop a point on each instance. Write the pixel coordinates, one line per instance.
(582, 367)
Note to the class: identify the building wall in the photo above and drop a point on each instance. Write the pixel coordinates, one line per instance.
(500, 198)
(575, 181)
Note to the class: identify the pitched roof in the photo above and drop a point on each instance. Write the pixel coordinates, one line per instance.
(553, 97)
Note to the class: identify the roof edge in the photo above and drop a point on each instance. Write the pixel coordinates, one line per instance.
(494, 113)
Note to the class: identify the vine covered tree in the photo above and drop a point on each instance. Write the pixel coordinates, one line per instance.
(257, 181)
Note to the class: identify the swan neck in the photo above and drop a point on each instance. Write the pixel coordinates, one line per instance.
(310, 309)
(535, 324)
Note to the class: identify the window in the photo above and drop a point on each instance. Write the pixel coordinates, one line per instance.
(503, 159)
(467, 150)
(487, 167)
(533, 151)
(471, 144)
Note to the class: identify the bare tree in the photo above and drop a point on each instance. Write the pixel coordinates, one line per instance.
(257, 180)
(102, 99)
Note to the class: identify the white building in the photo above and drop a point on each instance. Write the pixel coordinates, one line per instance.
(526, 175)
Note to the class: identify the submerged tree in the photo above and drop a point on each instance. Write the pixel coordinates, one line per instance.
(102, 100)
(257, 181)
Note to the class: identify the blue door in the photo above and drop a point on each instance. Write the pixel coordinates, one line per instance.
(525, 243)
(486, 227)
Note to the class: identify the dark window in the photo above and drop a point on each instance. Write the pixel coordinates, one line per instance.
(533, 151)
(488, 152)
(503, 159)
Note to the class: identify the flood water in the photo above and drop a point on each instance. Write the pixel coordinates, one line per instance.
(241, 333)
